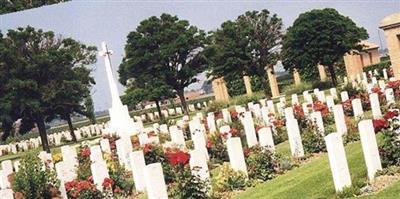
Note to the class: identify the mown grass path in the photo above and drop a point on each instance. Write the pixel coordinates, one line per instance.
(313, 179)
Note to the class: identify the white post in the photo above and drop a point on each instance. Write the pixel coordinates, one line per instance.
(370, 148)
(337, 161)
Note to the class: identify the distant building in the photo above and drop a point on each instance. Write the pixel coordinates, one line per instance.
(356, 61)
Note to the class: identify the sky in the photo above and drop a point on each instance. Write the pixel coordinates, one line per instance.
(94, 21)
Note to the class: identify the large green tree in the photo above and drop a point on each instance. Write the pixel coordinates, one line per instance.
(247, 46)
(7, 6)
(45, 75)
(167, 47)
(320, 37)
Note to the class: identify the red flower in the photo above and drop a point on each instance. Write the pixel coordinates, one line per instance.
(246, 152)
(117, 190)
(393, 84)
(108, 182)
(391, 114)
(298, 111)
(270, 115)
(278, 123)
(177, 158)
(234, 115)
(234, 132)
(90, 179)
(147, 148)
(380, 124)
(85, 152)
(377, 90)
(321, 107)
(209, 144)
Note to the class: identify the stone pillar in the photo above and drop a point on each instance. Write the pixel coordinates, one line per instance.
(247, 84)
(273, 84)
(296, 77)
(220, 90)
(353, 65)
(391, 26)
(322, 73)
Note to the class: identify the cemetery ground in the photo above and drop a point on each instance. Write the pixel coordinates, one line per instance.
(313, 172)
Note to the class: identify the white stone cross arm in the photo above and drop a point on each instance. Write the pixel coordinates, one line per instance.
(105, 50)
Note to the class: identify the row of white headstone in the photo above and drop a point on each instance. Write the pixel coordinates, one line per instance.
(54, 139)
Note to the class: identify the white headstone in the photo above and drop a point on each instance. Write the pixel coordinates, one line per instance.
(375, 106)
(155, 183)
(338, 161)
(340, 121)
(357, 108)
(317, 119)
(330, 102)
(137, 166)
(198, 165)
(249, 129)
(333, 93)
(344, 96)
(389, 94)
(295, 99)
(105, 145)
(99, 173)
(236, 156)
(266, 139)
(296, 146)
(370, 148)
(226, 115)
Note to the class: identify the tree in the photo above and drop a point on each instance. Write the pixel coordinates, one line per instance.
(247, 46)
(155, 90)
(7, 6)
(90, 109)
(45, 75)
(320, 37)
(166, 47)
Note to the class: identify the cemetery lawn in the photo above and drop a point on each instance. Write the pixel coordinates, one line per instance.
(313, 178)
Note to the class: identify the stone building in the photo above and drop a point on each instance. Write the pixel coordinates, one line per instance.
(356, 61)
(391, 26)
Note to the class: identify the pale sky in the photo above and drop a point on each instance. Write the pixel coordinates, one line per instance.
(92, 22)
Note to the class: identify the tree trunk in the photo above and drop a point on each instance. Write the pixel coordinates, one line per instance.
(7, 127)
(183, 102)
(42, 132)
(159, 110)
(71, 127)
(264, 84)
(333, 75)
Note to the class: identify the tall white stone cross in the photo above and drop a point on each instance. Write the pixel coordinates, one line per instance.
(120, 120)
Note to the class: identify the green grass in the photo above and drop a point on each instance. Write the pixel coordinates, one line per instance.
(313, 179)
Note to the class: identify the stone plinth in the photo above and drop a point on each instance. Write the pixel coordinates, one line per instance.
(220, 90)
(247, 84)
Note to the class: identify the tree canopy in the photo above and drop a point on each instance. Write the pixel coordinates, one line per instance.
(320, 37)
(167, 48)
(247, 46)
(44, 76)
(7, 6)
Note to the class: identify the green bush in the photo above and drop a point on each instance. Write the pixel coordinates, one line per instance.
(389, 148)
(226, 179)
(33, 181)
(188, 186)
(313, 141)
(261, 163)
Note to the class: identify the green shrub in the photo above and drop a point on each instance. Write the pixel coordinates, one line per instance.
(188, 186)
(261, 163)
(226, 179)
(33, 181)
(389, 148)
(313, 141)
